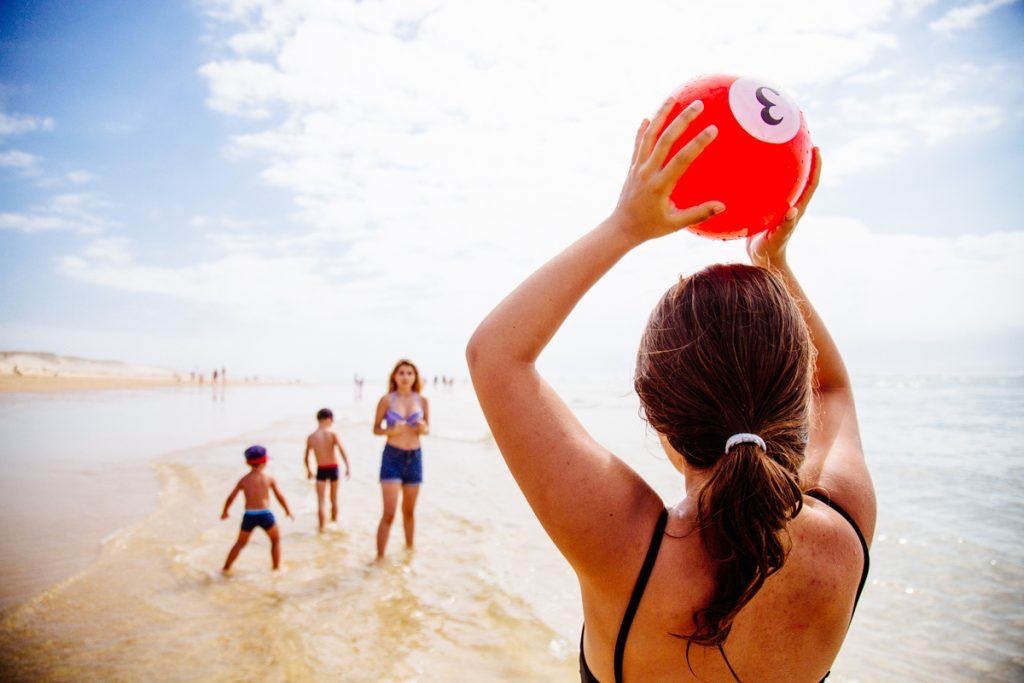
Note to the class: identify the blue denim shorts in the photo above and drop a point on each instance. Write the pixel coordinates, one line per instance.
(403, 466)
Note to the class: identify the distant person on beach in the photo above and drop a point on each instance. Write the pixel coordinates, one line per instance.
(756, 573)
(405, 416)
(256, 486)
(323, 443)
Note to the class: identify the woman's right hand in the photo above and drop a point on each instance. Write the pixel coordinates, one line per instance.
(768, 248)
(645, 210)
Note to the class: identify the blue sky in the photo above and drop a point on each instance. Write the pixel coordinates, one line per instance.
(309, 189)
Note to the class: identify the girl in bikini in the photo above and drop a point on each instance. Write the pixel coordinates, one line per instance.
(403, 416)
(755, 573)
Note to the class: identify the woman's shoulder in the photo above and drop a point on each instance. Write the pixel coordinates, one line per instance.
(826, 555)
(828, 527)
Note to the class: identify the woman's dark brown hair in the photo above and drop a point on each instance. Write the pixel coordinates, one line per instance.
(417, 384)
(727, 351)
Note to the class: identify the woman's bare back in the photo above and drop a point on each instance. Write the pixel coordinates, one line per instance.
(791, 629)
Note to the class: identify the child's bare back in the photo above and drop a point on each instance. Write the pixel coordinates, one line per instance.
(322, 442)
(256, 487)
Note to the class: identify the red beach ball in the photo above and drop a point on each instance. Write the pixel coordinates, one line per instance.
(757, 166)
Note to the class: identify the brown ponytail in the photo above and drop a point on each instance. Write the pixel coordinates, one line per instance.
(726, 351)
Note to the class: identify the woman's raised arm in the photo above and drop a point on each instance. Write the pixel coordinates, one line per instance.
(835, 457)
(589, 502)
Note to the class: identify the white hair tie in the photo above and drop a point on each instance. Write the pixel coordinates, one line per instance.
(736, 439)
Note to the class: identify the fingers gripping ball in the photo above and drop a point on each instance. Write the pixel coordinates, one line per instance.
(757, 166)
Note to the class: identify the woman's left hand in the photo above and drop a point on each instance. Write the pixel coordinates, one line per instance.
(645, 210)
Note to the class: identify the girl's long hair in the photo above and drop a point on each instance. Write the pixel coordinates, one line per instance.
(727, 351)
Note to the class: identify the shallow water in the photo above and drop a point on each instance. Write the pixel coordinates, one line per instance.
(485, 596)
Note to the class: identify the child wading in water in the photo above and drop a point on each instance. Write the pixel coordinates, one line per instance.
(322, 443)
(256, 486)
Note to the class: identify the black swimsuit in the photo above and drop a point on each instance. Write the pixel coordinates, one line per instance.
(587, 676)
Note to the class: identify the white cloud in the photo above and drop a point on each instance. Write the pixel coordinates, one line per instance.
(108, 250)
(400, 125)
(245, 87)
(22, 161)
(281, 288)
(221, 221)
(874, 130)
(870, 150)
(911, 287)
(911, 8)
(15, 124)
(935, 107)
(79, 177)
(253, 43)
(871, 77)
(966, 16)
(74, 212)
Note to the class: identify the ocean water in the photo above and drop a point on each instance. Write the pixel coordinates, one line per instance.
(112, 542)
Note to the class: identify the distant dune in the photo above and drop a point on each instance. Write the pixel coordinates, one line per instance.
(34, 371)
(39, 364)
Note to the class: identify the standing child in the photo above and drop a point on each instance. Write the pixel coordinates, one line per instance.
(322, 443)
(256, 486)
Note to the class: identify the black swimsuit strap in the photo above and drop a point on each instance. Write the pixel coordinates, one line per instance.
(860, 537)
(638, 592)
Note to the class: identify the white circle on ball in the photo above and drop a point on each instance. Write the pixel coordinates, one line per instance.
(763, 111)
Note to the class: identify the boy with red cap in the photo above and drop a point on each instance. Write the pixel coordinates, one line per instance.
(256, 486)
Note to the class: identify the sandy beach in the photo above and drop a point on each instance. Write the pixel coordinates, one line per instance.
(15, 383)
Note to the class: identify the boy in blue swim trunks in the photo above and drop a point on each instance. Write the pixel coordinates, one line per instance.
(322, 444)
(256, 486)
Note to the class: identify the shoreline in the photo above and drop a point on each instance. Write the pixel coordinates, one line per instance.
(48, 383)
(41, 371)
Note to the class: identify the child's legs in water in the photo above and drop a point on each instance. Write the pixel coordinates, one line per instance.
(409, 494)
(275, 546)
(334, 500)
(320, 488)
(389, 493)
(243, 538)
